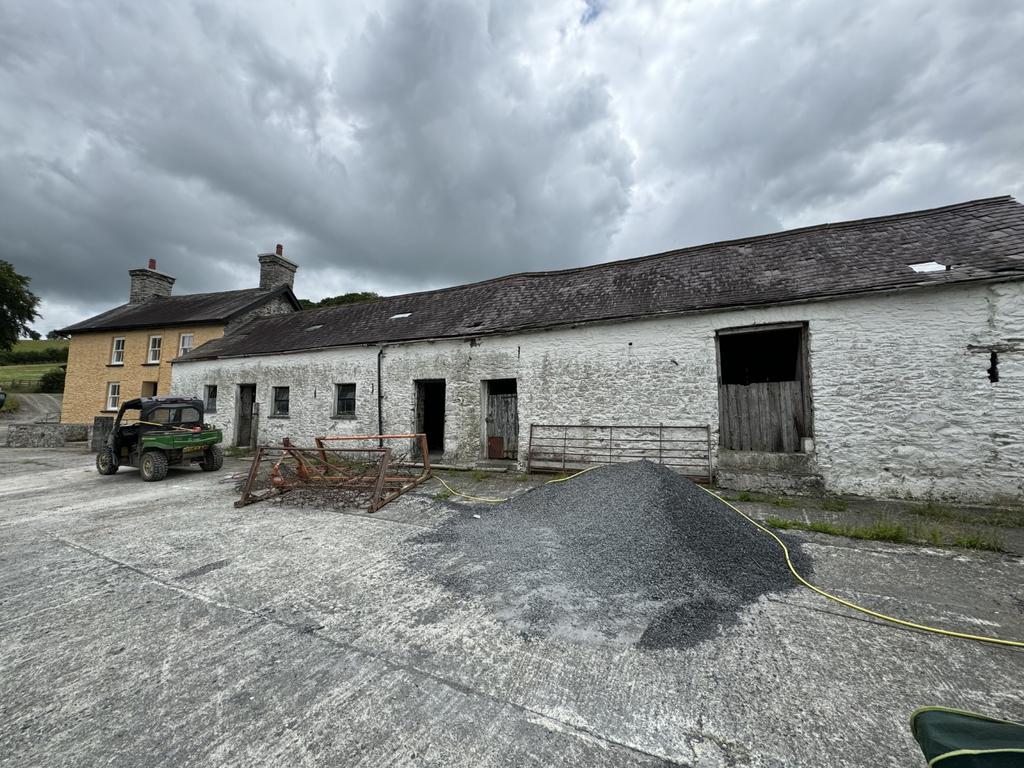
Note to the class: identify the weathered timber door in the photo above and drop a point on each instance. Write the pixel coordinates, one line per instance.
(764, 401)
(246, 401)
(502, 420)
(763, 416)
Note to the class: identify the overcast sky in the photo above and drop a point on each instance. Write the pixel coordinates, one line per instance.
(398, 146)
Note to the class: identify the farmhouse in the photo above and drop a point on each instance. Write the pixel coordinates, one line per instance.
(880, 357)
(126, 351)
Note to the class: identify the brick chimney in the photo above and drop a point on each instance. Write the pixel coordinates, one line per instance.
(276, 270)
(149, 284)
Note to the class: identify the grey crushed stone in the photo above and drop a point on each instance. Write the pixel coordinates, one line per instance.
(624, 554)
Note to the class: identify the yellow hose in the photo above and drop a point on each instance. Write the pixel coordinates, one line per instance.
(500, 501)
(796, 574)
(861, 608)
(467, 496)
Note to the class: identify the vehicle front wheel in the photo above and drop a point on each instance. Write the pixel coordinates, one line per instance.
(107, 462)
(213, 459)
(153, 466)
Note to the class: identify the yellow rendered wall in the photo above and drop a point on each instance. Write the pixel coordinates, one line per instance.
(89, 369)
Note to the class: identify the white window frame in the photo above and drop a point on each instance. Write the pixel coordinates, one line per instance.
(115, 359)
(150, 349)
(182, 349)
(113, 395)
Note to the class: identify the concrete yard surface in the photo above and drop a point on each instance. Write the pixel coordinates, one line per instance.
(153, 624)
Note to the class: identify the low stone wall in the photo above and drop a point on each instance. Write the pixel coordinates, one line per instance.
(46, 435)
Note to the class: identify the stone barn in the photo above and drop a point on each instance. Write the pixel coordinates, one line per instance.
(880, 357)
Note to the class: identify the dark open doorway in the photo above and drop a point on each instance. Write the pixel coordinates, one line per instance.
(764, 389)
(430, 413)
(246, 407)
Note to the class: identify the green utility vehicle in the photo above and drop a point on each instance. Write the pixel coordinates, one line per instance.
(168, 431)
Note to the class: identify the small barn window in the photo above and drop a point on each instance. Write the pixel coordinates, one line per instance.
(279, 407)
(210, 398)
(345, 400)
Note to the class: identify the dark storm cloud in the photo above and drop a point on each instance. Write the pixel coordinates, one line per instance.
(402, 145)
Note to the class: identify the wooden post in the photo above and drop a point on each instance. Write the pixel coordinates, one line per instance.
(711, 478)
(565, 438)
(378, 489)
(529, 451)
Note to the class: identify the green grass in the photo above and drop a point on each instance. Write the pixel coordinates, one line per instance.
(30, 373)
(11, 405)
(834, 504)
(897, 533)
(880, 531)
(480, 474)
(977, 540)
(775, 501)
(443, 494)
(36, 345)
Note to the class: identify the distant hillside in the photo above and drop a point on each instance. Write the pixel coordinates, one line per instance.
(29, 352)
(32, 344)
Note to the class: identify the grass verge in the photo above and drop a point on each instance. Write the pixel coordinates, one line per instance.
(898, 533)
(24, 378)
(11, 405)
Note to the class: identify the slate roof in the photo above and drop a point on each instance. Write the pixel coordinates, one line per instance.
(978, 240)
(188, 309)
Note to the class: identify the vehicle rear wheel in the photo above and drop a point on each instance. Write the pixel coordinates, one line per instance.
(107, 462)
(153, 466)
(213, 459)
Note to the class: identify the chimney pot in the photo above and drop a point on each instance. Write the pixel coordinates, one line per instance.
(152, 263)
(280, 250)
(276, 270)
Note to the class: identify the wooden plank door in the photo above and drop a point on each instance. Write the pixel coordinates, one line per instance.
(503, 422)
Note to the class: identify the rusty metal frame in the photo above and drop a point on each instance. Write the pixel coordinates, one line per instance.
(314, 467)
(419, 437)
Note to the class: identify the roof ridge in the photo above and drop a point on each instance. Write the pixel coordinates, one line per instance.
(768, 236)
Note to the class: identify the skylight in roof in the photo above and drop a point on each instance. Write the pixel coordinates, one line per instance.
(929, 266)
(400, 315)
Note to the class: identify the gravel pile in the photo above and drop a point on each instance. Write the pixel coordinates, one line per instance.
(629, 553)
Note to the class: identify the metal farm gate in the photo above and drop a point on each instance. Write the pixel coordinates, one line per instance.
(567, 447)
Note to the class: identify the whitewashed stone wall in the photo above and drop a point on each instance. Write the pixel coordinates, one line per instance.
(902, 404)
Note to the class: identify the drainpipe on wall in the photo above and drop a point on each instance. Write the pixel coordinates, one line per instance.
(380, 394)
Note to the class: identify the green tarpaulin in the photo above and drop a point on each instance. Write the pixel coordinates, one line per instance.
(952, 738)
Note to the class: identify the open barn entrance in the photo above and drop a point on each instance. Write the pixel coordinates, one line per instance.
(764, 389)
(430, 413)
(501, 419)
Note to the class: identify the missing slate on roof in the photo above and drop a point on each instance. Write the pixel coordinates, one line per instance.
(400, 315)
(930, 266)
